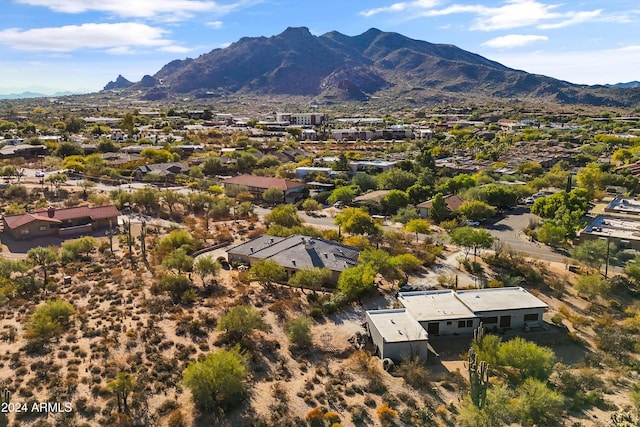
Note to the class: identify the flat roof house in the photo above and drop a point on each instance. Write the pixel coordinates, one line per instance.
(60, 222)
(447, 312)
(297, 252)
(396, 334)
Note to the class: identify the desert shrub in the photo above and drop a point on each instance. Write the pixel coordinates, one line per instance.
(217, 382)
(414, 372)
(299, 333)
(315, 417)
(386, 415)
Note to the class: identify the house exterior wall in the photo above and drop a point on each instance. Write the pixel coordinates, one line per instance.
(504, 319)
(396, 351)
(516, 318)
(44, 228)
(451, 326)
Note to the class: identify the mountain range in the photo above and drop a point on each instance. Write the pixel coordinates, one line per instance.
(375, 64)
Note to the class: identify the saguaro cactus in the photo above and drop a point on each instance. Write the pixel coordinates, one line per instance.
(5, 397)
(478, 378)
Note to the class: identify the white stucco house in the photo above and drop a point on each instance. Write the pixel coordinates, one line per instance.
(447, 312)
(396, 334)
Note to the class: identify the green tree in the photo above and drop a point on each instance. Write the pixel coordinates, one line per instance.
(496, 412)
(530, 359)
(57, 180)
(552, 234)
(175, 240)
(178, 260)
(284, 215)
(122, 386)
(240, 322)
(406, 263)
(342, 194)
(175, 286)
(476, 210)
(267, 272)
(538, 405)
(43, 257)
(311, 205)
(205, 266)
(590, 178)
(217, 382)
(529, 168)
(312, 278)
(171, 198)
(497, 195)
(364, 181)
(457, 183)
(74, 249)
(632, 269)
(470, 238)
(49, 319)
(593, 286)
(355, 281)
(439, 211)
(273, 195)
(418, 225)
(592, 252)
(66, 149)
(396, 179)
(74, 124)
(299, 333)
(244, 210)
(394, 200)
(356, 221)
(406, 214)
(147, 198)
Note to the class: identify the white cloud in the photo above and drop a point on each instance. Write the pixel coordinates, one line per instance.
(400, 7)
(583, 67)
(514, 40)
(511, 14)
(515, 13)
(215, 24)
(573, 19)
(173, 9)
(117, 38)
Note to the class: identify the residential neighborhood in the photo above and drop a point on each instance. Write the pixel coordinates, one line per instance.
(310, 247)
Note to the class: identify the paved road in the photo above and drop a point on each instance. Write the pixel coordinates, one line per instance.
(509, 231)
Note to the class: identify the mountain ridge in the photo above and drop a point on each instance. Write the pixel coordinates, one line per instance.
(337, 67)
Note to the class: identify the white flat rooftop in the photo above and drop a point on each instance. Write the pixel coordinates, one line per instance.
(619, 228)
(494, 299)
(397, 325)
(466, 304)
(434, 305)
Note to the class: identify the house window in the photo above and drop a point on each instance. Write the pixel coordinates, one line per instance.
(449, 323)
(489, 320)
(465, 323)
(24, 231)
(43, 228)
(531, 317)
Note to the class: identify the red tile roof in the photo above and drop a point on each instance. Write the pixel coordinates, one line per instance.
(59, 215)
(265, 182)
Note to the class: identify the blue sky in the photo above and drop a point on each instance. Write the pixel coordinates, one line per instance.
(80, 45)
